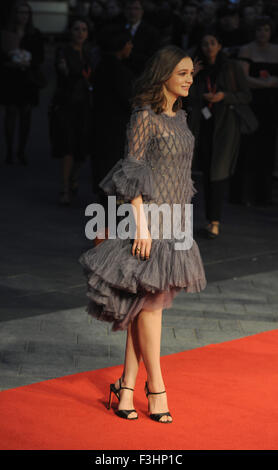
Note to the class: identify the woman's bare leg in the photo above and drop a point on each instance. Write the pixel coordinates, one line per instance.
(149, 326)
(131, 367)
(144, 338)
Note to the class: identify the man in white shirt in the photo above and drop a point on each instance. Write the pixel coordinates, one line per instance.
(133, 13)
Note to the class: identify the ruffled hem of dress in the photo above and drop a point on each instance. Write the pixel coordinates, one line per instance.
(113, 262)
(129, 178)
(119, 284)
(121, 309)
(100, 310)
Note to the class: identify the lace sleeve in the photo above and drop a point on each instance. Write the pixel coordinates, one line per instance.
(132, 175)
(138, 134)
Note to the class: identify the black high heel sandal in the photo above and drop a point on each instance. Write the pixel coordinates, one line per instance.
(157, 416)
(121, 413)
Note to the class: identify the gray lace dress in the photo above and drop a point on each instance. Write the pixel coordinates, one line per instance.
(157, 165)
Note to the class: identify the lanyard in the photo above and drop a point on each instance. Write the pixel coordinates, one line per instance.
(86, 73)
(210, 89)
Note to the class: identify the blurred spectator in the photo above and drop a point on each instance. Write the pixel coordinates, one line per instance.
(228, 26)
(186, 28)
(248, 17)
(260, 7)
(80, 9)
(259, 61)
(207, 14)
(113, 10)
(22, 54)
(162, 19)
(70, 117)
(150, 9)
(214, 122)
(112, 93)
(97, 15)
(176, 6)
(145, 38)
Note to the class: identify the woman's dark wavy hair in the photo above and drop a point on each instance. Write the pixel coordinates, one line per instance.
(221, 56)
(12, 16)
(148, 88)
(78, 19)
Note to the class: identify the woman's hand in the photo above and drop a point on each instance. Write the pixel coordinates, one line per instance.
(142, 239)
(142, 243)
(214, 97)
(197, 66)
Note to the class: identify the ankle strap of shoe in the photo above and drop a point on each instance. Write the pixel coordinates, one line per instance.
(127, 388)
(152, 393)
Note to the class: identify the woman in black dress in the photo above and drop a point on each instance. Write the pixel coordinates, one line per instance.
(22, 54)
(70, 119)
(259, 60)
(219, 86)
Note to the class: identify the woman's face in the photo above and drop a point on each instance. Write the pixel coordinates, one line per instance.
(79, 32)
(22, 15)
(210, 47)
(263, 33)
(181, 79)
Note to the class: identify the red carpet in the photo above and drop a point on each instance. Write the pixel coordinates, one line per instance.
(221, 396)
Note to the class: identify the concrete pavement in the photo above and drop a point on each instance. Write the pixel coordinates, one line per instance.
(50, 345)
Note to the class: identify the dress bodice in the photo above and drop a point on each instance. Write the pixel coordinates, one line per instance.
(168, 153)
(156, 164)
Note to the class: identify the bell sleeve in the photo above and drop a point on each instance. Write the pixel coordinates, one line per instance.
(132, 175)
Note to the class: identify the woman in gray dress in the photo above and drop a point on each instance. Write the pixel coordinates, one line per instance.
(130, 281)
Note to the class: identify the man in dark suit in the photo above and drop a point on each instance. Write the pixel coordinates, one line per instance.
(145, 38)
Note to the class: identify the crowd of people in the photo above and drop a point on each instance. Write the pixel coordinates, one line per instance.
(231, 107)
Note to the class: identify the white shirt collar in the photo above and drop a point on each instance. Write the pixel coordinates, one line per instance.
(134, 27)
